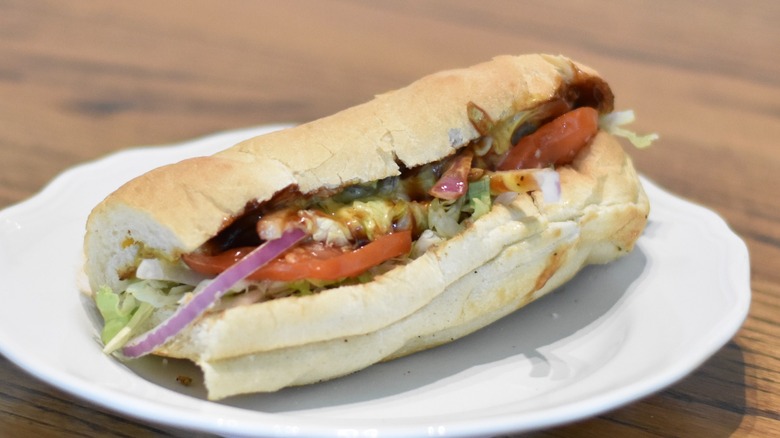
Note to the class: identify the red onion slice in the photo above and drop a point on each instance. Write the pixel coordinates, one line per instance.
(454, 182)
(206, 297)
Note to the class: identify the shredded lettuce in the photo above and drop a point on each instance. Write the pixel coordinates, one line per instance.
(123, 313)
(478, 198)
(143, 313)
(116, 311)
(444, 216)
(312, 286)
(614, 122)
(157, 293)
(301, 288)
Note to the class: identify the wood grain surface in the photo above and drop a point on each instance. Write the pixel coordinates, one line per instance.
(79, 80)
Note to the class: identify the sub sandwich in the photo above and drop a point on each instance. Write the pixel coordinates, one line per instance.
(391, 227)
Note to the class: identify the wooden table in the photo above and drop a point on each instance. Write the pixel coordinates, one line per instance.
(79, 80)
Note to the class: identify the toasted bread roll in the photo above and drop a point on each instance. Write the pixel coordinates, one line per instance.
(520, 250)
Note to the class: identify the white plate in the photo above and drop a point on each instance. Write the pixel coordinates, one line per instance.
(614, 334)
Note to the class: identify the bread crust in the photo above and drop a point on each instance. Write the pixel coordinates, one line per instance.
(516, 253)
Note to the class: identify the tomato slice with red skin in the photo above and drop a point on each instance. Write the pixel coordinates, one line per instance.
(554, 143)
(312, 261)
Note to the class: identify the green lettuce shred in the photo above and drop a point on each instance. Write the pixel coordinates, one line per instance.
(116, 311)
(444, 216)
(613, 123)
(123, 313)
(479, 202)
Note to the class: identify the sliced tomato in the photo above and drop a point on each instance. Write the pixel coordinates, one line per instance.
(554, 143)
(313, 261)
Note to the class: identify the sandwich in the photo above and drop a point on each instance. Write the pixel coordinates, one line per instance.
(388, 228)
